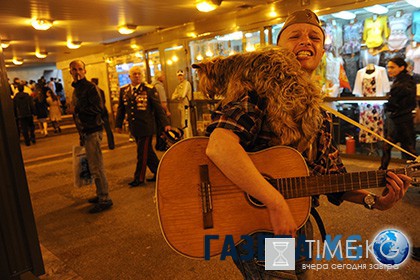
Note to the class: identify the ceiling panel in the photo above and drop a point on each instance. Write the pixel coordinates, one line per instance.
(92, 22)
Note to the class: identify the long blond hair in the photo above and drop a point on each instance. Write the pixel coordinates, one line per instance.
(293, 111)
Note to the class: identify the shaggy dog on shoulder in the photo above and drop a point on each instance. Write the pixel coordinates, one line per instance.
(293, 99)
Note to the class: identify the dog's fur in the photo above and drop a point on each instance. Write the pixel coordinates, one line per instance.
(293, 107)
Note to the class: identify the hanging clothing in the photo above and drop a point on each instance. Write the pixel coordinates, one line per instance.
(371, 116)
(374, 84)
(333, 37)
(415, 28)
(367, 57)
(375, 30)
(385, 56)
(398, 37)
(333, 68)
(414, 55)
(370, 83)
(352, 37)
(351, 64)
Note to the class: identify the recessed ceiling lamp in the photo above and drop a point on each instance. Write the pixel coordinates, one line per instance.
(192, 34)
(199, 57)
(344, 15)
(5, 44)
(134, 46)
(40, 54)
(74, 44)
(127, 28)
(415, 3)
(273, 12)
(207, 5)
(17, 61)
(377, 9)
(42, 23)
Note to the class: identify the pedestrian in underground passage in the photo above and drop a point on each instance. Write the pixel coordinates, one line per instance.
(87, 113)
(141, 103)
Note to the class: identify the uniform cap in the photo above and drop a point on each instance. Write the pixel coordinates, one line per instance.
(302, 16)
(180, 73)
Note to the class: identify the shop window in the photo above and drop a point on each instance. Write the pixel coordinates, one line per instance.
(118, 68)
(153, 64)
(223, 45)
(275, 32)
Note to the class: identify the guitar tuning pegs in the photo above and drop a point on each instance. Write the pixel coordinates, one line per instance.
(417, 160)
(415, 182)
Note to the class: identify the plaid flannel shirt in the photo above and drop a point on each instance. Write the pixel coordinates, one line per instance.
(247, 119)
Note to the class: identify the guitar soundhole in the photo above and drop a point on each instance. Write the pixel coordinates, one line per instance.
(255, 202)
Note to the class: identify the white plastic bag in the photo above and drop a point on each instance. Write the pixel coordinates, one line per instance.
(82, 176)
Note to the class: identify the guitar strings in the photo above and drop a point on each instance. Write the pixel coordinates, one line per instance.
(290, 188)
(300, 191)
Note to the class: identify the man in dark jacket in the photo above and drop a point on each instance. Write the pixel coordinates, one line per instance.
(141, 104)
(88, 110)
(24, 111)
(105, 117)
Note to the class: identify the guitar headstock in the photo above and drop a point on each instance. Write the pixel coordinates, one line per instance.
(413, 170)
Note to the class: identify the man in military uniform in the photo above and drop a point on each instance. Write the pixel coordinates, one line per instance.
(141, 104)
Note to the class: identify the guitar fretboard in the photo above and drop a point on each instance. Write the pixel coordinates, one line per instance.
(333, 183)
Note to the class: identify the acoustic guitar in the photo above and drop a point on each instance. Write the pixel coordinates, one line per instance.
(194, 198)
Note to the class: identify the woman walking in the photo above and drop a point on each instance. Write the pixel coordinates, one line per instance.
(401, 103)
(41, 109)
(55, 111)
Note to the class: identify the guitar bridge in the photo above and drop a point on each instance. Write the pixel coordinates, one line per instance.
(206, 199)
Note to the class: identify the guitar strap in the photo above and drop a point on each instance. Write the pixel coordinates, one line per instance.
(347, 119)
(319, 223)
(314, 212)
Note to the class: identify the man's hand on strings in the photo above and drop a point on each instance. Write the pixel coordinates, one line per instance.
(396, 187)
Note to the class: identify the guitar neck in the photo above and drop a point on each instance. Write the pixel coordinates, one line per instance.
(333, 183)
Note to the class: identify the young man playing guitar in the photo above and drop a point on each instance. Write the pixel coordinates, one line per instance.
(250, 123)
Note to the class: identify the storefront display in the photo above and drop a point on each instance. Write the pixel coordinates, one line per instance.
(118, 68)
(362, 50)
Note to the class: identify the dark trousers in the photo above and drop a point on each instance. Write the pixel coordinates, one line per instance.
(402, 132)
(146, 157)
(160, 142)
(28, 129)
(109, 133)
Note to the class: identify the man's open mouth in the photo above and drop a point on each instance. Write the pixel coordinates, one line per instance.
(304, 54)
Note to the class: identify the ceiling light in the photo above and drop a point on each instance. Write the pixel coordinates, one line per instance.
(344, 15)
(17, 61)
(415, 3)
(127, 28)
(207, 5)
(41, 23)
(5, 44)
(41, 54)
(74, 44)
(134, 46)
(273, 12)
(377, 9)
